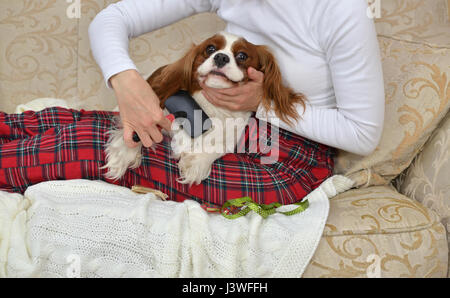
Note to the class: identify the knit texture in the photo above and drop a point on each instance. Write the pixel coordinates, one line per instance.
(94, 229)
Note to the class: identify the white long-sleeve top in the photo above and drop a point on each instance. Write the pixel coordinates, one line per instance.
(326, 49)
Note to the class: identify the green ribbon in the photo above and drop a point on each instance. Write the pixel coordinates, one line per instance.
(246, 205)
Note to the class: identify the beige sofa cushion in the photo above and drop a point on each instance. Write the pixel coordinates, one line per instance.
(416, 78)
(38, 52)
(416, 20)
(44, 53)
(377, 225)
(417, 86)
(149, 52)
(428, 178)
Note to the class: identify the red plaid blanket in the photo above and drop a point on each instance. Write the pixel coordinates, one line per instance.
(60, 144)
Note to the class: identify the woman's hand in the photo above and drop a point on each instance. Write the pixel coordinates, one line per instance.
(242, 98)
(139, 109)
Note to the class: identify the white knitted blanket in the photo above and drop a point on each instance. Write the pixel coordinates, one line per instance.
(81, 228)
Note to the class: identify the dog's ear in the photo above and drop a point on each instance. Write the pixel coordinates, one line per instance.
(282, 97)
(168, 79)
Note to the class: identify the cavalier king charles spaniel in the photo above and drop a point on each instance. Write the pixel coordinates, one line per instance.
(221, 61)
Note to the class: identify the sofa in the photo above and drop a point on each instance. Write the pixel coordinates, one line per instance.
(395, 222)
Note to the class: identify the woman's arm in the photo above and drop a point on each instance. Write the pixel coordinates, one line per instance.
(349, 39)
(112, 28)
(109, 34)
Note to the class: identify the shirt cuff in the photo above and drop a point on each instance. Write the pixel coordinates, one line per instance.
(115, 69)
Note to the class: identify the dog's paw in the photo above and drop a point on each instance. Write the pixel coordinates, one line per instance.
(119, 158)
(181, 142)
(114, 173)
(116, 166)
(194, 168)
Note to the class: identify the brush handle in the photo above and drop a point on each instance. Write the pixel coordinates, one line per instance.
(187, 111)
(183, 107)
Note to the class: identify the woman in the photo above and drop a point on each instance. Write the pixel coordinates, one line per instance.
(326, 49)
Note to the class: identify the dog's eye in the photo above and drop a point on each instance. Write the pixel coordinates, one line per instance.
(241, 56)
(210, 49)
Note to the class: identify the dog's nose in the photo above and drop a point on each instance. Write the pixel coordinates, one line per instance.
(221, 60)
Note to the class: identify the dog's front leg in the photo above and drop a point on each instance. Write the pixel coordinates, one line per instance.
(196, 164)
(195, 159)
(119, 157)
(196, 167)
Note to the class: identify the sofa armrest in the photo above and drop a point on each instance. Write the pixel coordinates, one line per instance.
(448, 10)
(427, 179)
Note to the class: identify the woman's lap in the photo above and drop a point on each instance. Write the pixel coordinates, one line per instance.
(52, 144)
(58, 143)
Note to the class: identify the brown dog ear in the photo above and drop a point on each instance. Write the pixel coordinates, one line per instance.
(168, 79)
(282, 97)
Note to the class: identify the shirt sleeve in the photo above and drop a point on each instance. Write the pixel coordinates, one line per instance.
(348, 38)
(111, 29)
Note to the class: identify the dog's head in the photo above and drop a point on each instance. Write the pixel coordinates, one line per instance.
(222, 61)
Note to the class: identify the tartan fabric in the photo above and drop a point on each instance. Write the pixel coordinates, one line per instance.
(58, 143)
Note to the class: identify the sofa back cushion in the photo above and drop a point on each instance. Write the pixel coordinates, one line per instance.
(45, 52)
(414, 39)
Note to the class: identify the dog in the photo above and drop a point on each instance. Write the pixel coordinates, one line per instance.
(220, 61)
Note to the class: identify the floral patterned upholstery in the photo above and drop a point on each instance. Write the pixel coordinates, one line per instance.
(426, 180)
(417, 87)
(377, 226)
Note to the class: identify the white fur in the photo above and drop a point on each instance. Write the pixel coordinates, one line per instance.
(194, 165)
(119, 157)
(232, 71)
